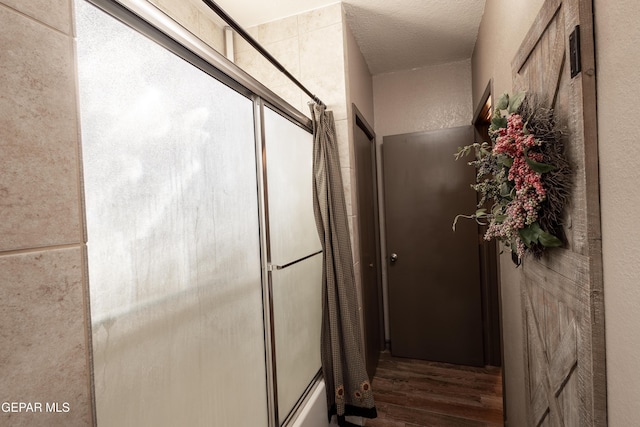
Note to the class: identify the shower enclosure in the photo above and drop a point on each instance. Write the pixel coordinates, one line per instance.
(204, 260)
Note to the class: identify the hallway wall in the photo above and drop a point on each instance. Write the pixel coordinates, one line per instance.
(44, 320)
(503, 27)
(359, 91)
(359, 79)
(618, 61)
(428, 98)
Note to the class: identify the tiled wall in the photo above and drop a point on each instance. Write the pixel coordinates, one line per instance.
(312, 47)
(202, 22)
(44, 332)
(44, 314)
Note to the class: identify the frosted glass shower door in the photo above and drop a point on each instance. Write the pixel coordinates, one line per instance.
(296, 276)
(173, 235)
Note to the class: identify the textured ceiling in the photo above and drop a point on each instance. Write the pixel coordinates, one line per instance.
(393, 35)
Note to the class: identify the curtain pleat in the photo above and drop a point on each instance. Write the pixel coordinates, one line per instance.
(343, 365)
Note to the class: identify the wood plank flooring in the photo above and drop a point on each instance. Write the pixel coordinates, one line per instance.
(415, 393)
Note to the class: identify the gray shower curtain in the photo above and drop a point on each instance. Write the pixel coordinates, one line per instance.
(343, 366)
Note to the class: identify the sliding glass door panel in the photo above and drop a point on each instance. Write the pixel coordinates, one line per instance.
(297, 308)
(296, 277)
(289, 157)
(173, 235)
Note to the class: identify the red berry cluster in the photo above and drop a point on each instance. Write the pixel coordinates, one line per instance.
(515, 142)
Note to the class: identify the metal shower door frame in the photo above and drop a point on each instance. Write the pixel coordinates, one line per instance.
(145, 18)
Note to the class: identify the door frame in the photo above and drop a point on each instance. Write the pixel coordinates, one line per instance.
(359, 121)
(489, 259)
(492, 316)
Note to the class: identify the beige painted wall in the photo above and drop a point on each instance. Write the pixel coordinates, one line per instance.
(618, 86)
(428, 98)
(359, 80)
(359, 86)
(504, 24)
(503, 27)
(44, 327)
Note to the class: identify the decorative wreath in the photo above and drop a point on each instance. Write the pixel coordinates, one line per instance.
(523, 176)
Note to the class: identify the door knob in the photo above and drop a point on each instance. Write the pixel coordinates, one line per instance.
(393, 258)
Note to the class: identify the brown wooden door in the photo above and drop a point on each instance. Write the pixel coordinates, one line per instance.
(369, 247)
(434, 285)
(562, 293)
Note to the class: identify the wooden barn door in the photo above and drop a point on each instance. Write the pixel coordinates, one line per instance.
(562, 293)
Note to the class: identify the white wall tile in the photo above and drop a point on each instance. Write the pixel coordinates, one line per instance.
(286, 52)
(183, 12)
(56, 13)
(240, 44)
(293, 95)
(331, 90)
(322, 52)
(261, 69)
(355, 237)
(346, 182)
(44, 343)
(319, 18)
(276, 31)
(211, 33)
(342, 133)
(322, 67)
(39, 184)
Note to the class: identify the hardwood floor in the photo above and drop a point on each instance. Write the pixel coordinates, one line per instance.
(415, 393)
